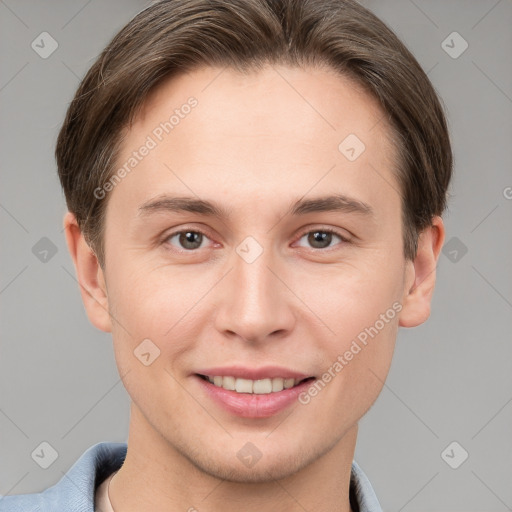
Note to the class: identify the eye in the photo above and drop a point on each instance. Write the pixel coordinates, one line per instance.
(193, 239)
(187, 239)
(322, 238)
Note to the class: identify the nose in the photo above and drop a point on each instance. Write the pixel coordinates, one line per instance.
(255, 303)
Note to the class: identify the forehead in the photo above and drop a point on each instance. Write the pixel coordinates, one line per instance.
(265, 101)
(259, 135)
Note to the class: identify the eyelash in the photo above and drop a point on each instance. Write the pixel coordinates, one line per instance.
(344, 239)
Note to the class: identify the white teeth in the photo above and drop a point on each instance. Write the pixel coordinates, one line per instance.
(243, 386)
(262, 387)
(228, 383)
(257, 387)
(277, 384)
(288, 383)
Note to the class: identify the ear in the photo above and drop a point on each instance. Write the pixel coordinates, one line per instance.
(90, 275)
(421, 276)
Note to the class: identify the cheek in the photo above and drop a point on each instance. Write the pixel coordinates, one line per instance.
(155, 328)
(356, 365)
(361, 306)
(158, 304)
(352, 297)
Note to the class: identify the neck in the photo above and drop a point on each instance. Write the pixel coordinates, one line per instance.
(156, 475)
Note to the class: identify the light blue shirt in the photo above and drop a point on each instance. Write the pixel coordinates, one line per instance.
(74, 492)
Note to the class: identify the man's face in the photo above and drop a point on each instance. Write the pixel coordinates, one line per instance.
(263, 286)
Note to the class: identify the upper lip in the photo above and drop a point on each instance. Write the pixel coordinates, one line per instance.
(243, 372)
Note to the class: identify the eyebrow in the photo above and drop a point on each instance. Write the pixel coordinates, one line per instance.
(330, 203)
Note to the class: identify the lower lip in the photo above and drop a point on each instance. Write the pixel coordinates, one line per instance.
(250, 405)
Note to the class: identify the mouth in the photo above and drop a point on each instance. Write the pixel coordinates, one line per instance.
(247, 398)
(265, 386)
(252, 392)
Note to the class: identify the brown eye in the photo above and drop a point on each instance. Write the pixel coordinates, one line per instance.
(319, 239)
(322, 238)
(188, 240)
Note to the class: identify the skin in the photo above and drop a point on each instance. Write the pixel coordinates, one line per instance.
(254, 144)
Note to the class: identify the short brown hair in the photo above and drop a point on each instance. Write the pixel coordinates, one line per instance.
(174, 36)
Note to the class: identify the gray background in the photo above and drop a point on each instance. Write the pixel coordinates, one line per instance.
(451, 378)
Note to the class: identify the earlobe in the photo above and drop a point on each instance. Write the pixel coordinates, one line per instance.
(89, 274)
(421, 276)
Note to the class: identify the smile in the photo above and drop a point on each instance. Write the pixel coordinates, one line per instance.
(257, 387)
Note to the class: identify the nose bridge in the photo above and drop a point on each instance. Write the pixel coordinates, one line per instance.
(254, 302)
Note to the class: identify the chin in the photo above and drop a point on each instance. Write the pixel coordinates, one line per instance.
(260, 473)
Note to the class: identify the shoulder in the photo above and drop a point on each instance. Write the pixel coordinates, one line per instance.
(75, 490)
(362, 495)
